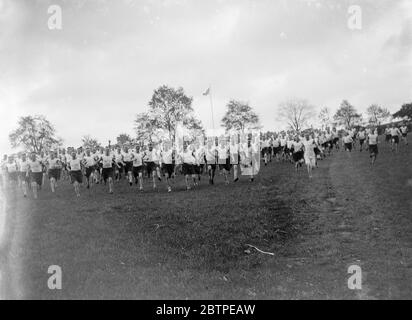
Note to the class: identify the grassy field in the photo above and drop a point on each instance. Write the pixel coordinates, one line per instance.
(194, 244)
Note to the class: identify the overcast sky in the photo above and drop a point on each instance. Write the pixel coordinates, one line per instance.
(99, 71)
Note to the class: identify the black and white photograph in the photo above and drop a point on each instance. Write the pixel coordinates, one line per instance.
(218, 151)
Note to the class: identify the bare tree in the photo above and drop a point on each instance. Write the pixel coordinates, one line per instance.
(296, 112)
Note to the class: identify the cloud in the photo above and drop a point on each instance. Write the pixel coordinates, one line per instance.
(95, 74)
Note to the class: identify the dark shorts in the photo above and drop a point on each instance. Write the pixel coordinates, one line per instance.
(128, 166)
(119, 166)
(317, 151)
(37, 177)
(76, 176)
(150, 167)
(89, 171)
(54, 173)
(361, 141)
(373, 149)
(404, 134)
(169, 169)
(212, 166)
(137, 170)
(395, 139)
(24, 176)
(187, 169)
(196, 169)
(388, 137)
(107, 173)
(297, 156)
(348, 146)
(335, 140)
(13, 176)
(225, 166)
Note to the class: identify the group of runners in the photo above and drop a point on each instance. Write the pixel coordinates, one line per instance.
(88, 167)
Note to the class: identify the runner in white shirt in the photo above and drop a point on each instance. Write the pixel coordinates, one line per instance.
(156, 160)
(120, 164)
(128, 160)
(348, 141)
(138, 166)
(223, 159)
(404, 132)
(166, 160)
(35, 170)
(54, 165)
(234, 155)
(89, 163)
(12, 171)
(388, 137)
(24, 177)
(297, 152)
(188, 160)
(361, 137)
(75, 168)
(395, 133)
(373, 145)
(309, 146)
(210, 154)
(149, 160)
(108, 163)
(199, 155)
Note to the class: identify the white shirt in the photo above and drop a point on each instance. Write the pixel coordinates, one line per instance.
(118, 157)
(54, 163)
(127, 156)
(23, 166)
(347, 139)
(89, 161)
(74, 164)
(210, 155)
(138, 159)
(222, 152)
(35, 166)
(373, 139)
(11, 167)
(297, 146)
(188, 157)
(167, 156)
(107, 161)
(310, 146)
(395, 132)
(149, 156)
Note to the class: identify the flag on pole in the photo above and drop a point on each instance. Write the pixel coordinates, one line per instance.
(206, 92)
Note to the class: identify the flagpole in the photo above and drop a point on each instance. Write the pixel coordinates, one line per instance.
(211, 106)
